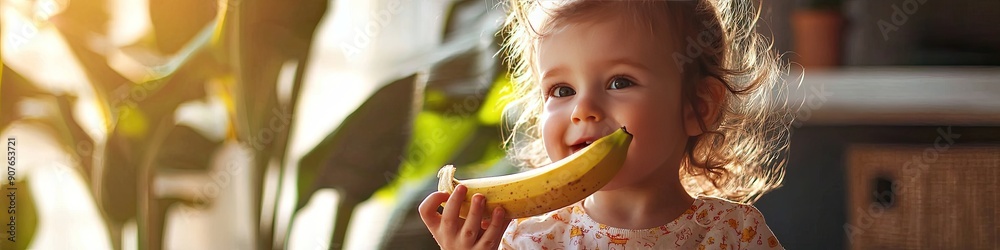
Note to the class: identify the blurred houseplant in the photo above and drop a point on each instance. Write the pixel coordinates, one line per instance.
(227, 55)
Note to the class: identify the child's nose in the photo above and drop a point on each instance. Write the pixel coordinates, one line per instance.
(587, 109)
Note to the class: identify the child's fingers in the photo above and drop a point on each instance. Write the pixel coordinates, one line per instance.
(470, 232)
(491, 238)
(428, 210)
(450, 217)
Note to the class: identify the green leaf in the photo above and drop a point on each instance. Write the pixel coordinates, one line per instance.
(60, 124)
(360, 155)
(135, 125)
(270, 34)
(25, 214)
(119, 179)
(366, 148)
(14, 88)
(176, 22)
(496, 100)
(138, 118)
(436, 138)
(186, 149)
(72, 136)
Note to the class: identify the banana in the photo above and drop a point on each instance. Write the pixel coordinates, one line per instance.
(547, 188)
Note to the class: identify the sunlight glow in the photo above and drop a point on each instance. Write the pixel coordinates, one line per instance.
(313, 225)
(129, 21)
(37, 51)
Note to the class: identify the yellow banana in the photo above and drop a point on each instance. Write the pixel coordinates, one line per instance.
(547, 188)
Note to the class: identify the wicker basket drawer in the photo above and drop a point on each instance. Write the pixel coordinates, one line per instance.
(922, 197)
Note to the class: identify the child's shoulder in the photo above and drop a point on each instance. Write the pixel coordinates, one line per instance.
(720, 208)
(742, 223)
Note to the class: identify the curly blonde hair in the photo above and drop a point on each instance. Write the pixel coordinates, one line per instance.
(744, 156)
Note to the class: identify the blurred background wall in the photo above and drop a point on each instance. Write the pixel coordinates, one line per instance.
(895, 74)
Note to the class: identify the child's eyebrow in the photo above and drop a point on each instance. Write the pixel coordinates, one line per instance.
(607, 63)
(553, 72)
(626, 61)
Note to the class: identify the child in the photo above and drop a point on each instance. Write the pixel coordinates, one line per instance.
(689, 79)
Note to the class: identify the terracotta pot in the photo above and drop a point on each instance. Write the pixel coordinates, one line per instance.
(818, 37)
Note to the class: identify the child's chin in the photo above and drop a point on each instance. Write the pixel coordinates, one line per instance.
(615, 183)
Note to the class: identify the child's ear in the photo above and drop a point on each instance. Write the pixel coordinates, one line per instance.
(710, 97)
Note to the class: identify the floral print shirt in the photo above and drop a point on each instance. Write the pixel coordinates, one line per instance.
(710, 223)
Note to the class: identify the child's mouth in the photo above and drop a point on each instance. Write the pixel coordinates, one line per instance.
(578, 147)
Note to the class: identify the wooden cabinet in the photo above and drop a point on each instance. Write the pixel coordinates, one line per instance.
(934, 196)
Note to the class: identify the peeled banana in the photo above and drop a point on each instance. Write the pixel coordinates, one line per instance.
(547, 188)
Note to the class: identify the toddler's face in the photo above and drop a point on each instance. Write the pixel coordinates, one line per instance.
(600, 75)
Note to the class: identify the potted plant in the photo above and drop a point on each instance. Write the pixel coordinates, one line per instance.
(818, 29)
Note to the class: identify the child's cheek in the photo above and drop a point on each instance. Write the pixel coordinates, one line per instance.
(553, 129)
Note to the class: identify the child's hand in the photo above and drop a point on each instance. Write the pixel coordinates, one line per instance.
(452, 232)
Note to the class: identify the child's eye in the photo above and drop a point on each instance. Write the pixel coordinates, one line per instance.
(620, 82)
(561, 91)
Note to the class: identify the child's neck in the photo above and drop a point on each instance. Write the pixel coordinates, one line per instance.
(649, 203)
